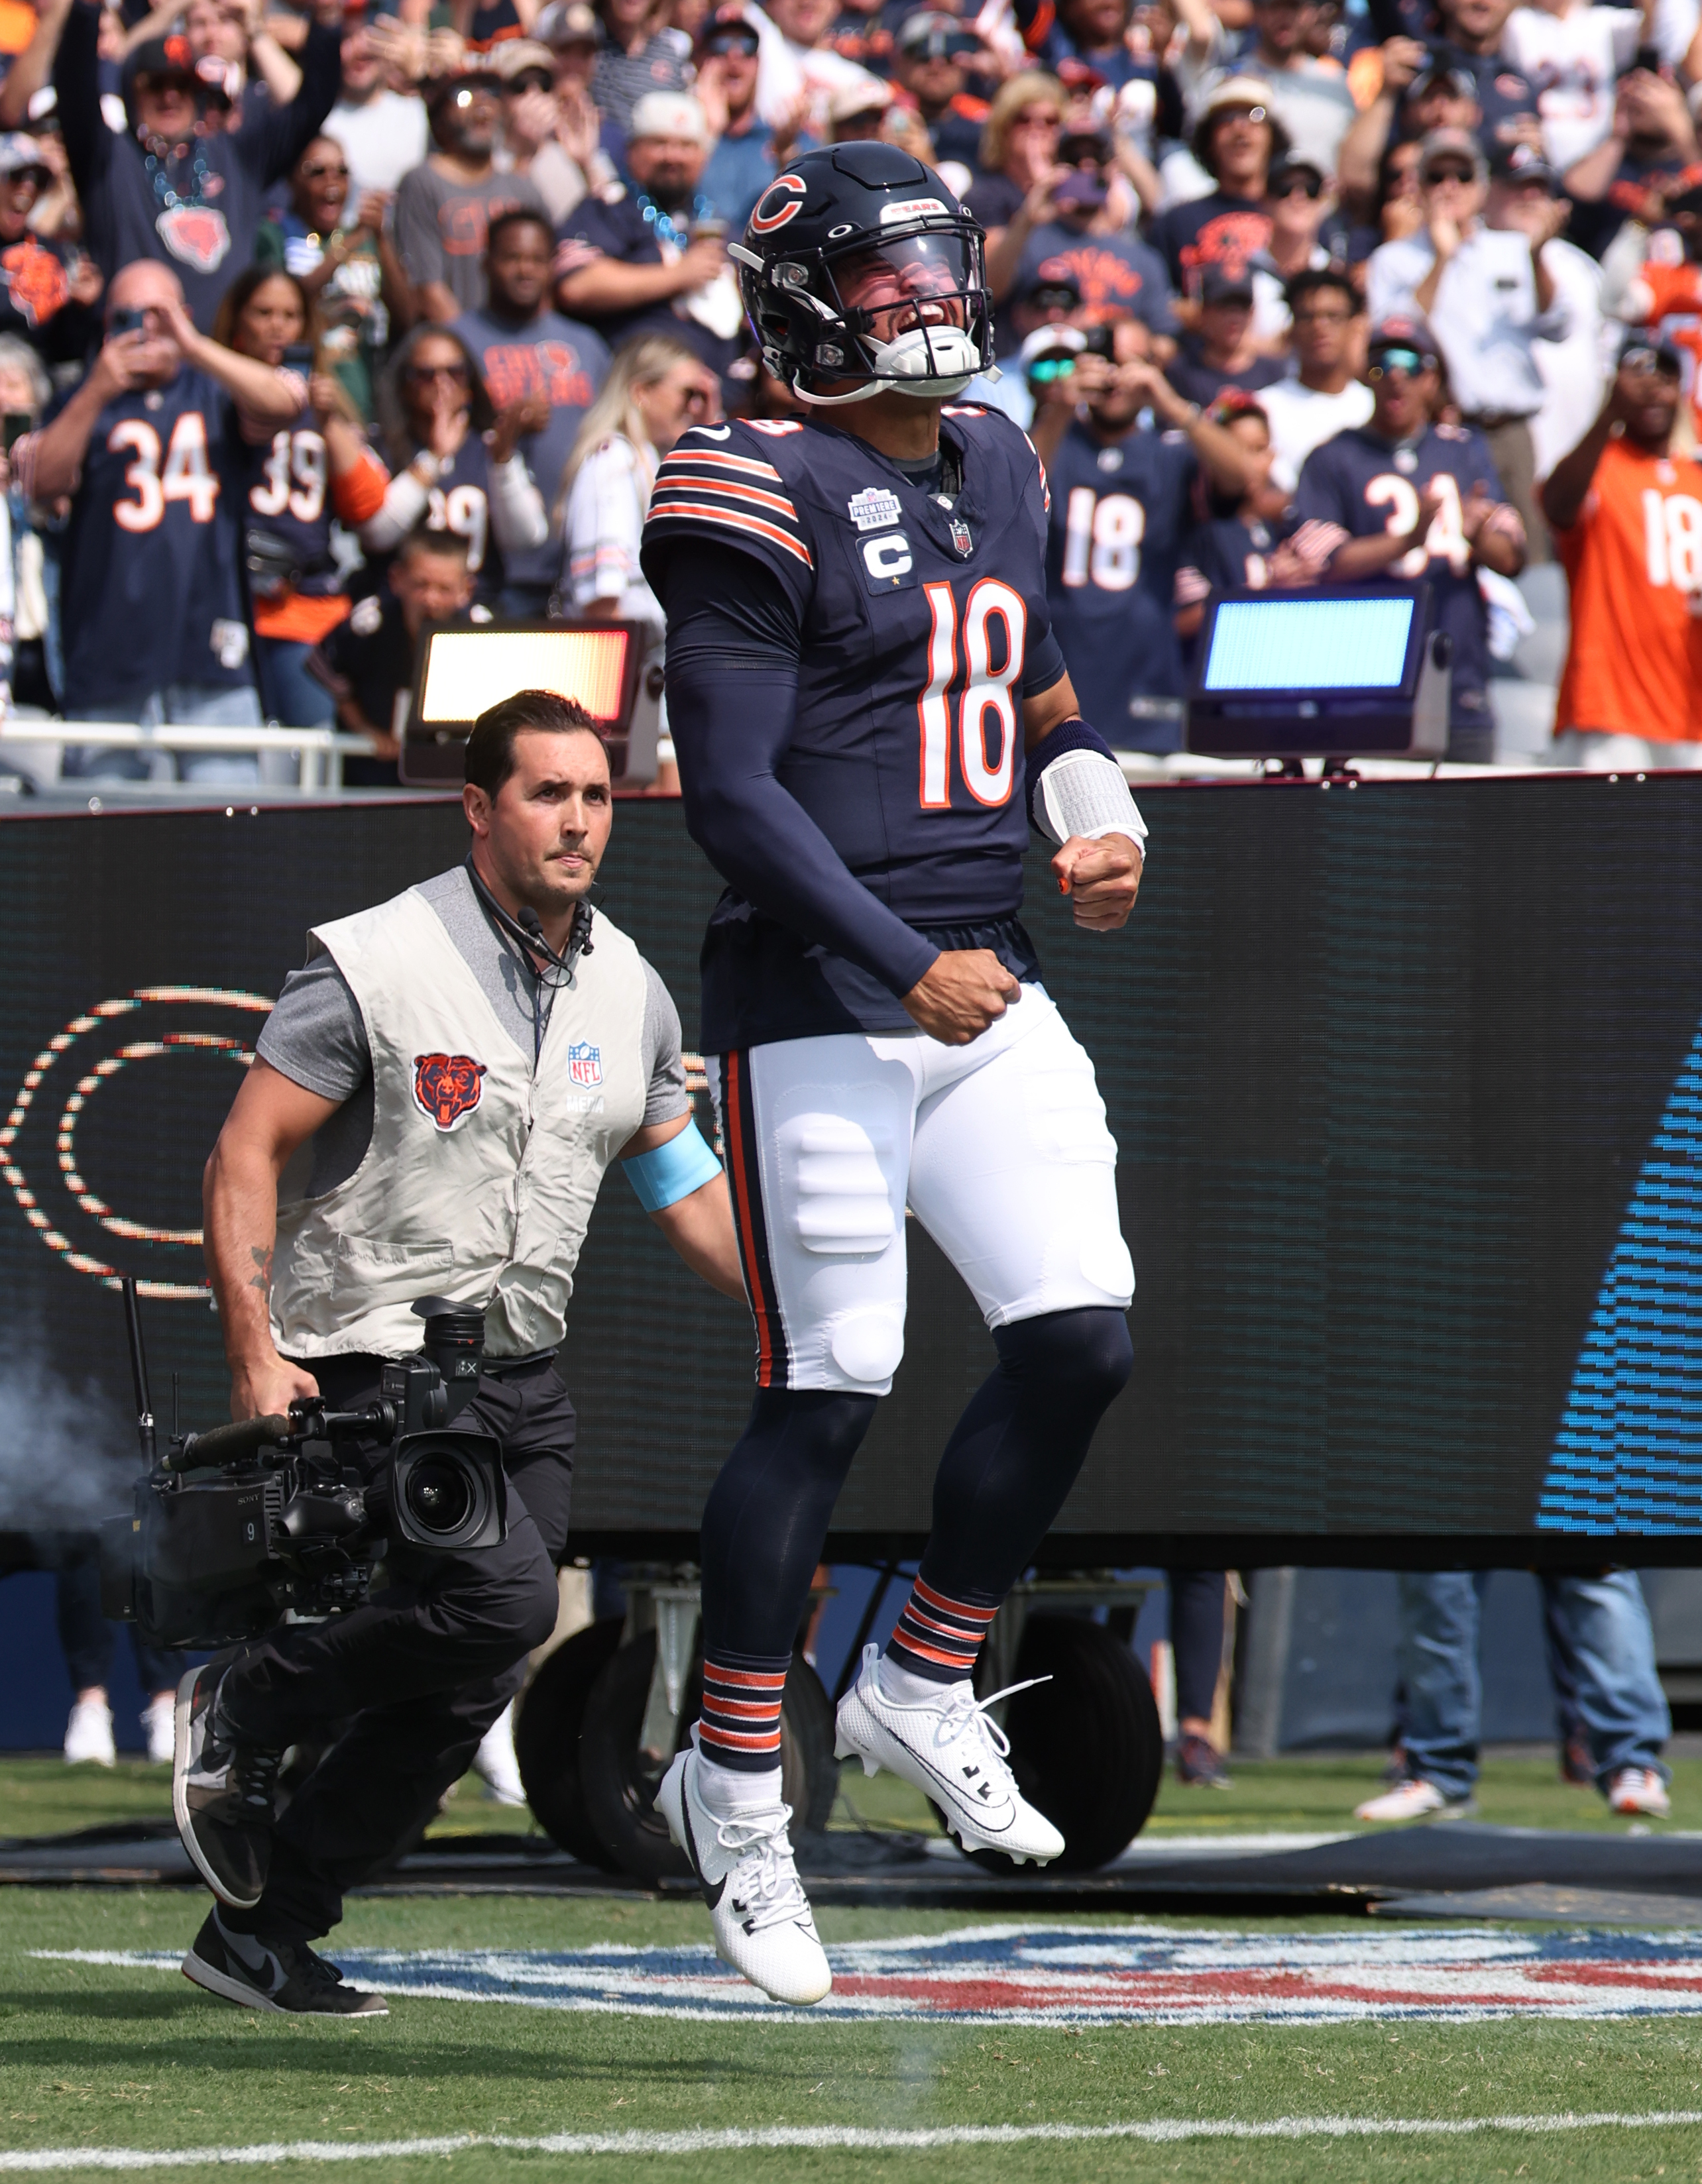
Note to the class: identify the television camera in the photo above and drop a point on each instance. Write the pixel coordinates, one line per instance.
(233, 1528)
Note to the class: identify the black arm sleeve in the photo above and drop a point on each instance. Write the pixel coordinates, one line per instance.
(286, 131)
(76, 79)
(733, 650)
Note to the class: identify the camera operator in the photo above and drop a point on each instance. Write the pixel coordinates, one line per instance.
(467, 1059)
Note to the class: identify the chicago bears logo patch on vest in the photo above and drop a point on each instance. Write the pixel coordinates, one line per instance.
(447, 1086)
(585, 1062)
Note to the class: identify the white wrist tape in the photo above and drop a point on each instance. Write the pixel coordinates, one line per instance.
(1083, 793)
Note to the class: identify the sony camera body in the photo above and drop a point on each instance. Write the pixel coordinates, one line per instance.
(234, 1528)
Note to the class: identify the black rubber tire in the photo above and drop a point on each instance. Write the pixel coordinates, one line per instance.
(1087, 1748)
(809, 1773)
(547, 1727)
(618, 1783)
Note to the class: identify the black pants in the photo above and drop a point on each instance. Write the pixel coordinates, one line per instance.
(418, 1674)
(86, 1637)
(1196, 1639)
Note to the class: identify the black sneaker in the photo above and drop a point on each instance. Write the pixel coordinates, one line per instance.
(221, 1794)
(279, 1975)
(1199, 1763)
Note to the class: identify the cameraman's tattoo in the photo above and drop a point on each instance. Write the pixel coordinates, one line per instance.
(262, 1277)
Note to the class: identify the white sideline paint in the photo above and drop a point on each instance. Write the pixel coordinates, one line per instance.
(832, 2138)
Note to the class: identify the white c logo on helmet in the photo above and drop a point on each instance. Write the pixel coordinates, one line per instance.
(783, 200)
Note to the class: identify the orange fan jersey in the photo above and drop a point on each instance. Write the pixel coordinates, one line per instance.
(1633, 559)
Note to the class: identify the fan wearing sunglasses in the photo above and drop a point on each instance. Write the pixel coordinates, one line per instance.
(1403, 497)
(455, 458)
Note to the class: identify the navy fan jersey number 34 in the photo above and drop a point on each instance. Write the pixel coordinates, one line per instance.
(915, 621)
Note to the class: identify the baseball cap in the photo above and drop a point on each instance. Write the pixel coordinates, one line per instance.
(669, 114)
(1079, 78)
(1442, 68)
(20, 153)
(1402, 333)
(1222, 284)
(160, 61)
(1641, 350)
(566, 22)
(1451, 144)
(1522, 163)
(870, 95)
(512, 57)
(939, 36)
(725, 26)
(1292, 163)
(1049, 341)
(1053, 283)
(1236, 90)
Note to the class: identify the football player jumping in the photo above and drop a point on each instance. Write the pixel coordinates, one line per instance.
(858, 660)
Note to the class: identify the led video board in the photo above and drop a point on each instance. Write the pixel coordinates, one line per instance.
(1406, 1081)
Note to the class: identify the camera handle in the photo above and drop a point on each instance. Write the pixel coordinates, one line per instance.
(138, 1371)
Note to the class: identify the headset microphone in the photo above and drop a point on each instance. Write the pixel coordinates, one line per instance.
(526, 931)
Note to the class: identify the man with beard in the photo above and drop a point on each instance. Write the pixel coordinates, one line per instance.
(444, 208)
(639, 265)
(178, 185)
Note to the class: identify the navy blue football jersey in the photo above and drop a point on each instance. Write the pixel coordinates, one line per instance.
(916, 622)
(288, 497)
(459, 502)
(153, 585)
(1119, 511)
(1227, 553)
(1358, 485)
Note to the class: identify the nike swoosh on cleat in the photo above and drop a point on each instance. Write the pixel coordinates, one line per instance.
(711, 1893)
(945, 1781)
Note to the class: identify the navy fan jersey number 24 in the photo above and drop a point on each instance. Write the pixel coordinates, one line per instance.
(916, 622)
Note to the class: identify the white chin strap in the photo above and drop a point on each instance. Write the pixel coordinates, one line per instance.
(932, 365)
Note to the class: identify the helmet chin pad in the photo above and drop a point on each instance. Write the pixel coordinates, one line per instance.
(930, 367)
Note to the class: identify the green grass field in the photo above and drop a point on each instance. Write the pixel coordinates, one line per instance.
(95, 2057)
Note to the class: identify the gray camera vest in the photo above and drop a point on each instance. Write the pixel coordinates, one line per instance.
(481, 1174)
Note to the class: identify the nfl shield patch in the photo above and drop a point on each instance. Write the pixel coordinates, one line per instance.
(960, 536)
(585, 1063)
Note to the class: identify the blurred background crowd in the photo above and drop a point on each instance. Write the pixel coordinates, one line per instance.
(317, 324)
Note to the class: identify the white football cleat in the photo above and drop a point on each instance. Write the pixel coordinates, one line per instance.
(743, 1861)
(494, 1762)
(1636, 1790)
(159, 1727)
(953, 1753)
(88, 1734)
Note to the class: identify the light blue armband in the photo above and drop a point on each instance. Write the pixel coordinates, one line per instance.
(669, 1173)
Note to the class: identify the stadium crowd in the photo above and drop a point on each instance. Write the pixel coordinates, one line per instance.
(317, 324)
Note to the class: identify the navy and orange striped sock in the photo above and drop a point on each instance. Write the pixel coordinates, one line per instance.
(739, 1727)
(938, 1636)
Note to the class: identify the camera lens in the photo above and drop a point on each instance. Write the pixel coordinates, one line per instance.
(440, 1494)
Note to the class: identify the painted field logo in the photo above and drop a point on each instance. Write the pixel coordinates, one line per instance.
(585, 1063)
(1062, 1975)
(447, 1086)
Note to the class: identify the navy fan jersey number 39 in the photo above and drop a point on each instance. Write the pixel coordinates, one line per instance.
(916, 621)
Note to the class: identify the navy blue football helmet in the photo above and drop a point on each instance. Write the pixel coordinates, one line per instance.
(861, 270)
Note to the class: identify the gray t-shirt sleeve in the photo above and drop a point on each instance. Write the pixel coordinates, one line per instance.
(419, 235)
(316, 1036)
(664, 1059)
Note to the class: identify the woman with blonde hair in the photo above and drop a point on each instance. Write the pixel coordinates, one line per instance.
(1019, 146)
(655, 390)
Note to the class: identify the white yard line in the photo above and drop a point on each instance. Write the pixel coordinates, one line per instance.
(832, 2138)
